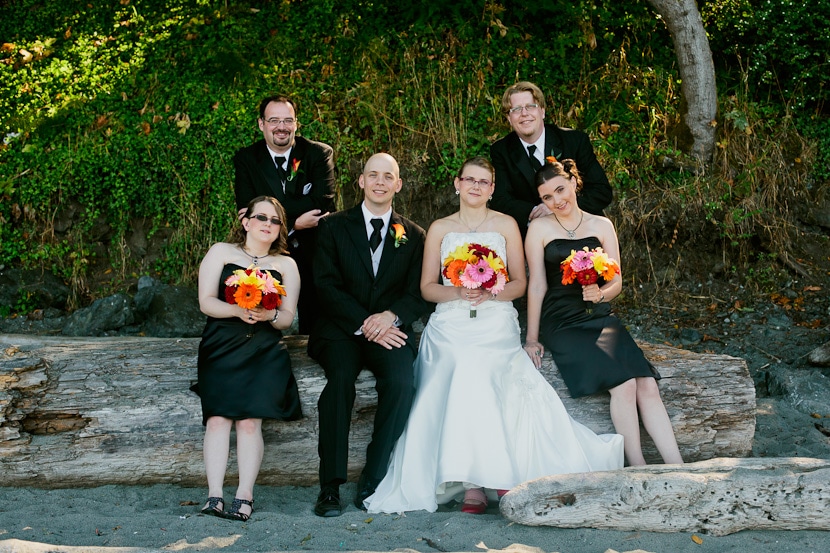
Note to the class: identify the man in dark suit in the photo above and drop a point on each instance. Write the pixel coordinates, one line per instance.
(300, 174)
(517, 156)
(368, 272)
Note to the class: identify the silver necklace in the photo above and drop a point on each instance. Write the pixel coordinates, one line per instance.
(486, 213)
(571, 233)
(254, 258)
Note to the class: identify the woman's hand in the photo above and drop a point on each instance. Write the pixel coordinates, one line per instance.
(257, 314)
(476, 296)
(535, 351)
(592, 293)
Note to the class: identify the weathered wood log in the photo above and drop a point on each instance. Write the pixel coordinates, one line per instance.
(94, 411)
(718, 497)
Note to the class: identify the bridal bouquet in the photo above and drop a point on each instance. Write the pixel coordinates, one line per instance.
(252, 287)
(475, 266)
(586, 266)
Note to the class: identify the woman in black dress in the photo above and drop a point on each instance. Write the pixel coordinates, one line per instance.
(590, 346)
(244, 368)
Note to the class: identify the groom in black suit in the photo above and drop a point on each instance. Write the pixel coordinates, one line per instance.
(368, 271)
(300, 174)
(517, 156)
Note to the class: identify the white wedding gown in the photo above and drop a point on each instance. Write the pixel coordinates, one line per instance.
(483, 414)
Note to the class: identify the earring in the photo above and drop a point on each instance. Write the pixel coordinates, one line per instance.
(491, 197)
(457, 193)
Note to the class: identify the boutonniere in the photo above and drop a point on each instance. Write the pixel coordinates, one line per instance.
(295, 166)
(551, 159)
(398, 233)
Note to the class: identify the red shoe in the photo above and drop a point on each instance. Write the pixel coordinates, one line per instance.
(475, 502)
(501, 493)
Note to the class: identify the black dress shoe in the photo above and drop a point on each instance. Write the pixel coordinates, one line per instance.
(365, 487)
(328, 503)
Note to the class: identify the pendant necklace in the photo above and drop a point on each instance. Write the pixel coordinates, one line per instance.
(571, 233)
(254, 258)
(486, 213)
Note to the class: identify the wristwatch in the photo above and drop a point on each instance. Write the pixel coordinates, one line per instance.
(276, 316)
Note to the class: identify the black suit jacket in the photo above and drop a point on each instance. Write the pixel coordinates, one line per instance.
(256, 175)
(516, 195)
(347, 290)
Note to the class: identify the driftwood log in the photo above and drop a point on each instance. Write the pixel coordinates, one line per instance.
(95, 411)
(718, 497)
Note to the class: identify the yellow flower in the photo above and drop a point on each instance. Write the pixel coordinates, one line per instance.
(495, 262)
(461, 253)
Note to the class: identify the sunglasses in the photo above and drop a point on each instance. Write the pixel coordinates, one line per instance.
(264, 218)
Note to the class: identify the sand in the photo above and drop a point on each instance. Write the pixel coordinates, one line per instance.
(166, 517)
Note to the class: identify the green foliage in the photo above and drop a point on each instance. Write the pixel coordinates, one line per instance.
(126, 114)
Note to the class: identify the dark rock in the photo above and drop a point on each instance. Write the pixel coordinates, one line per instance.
(35, 288)
(170, 311)
(690, 336)
(106, 314)
(820, 356)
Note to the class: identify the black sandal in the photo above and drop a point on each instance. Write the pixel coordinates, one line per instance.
(212, 507)
(234, 514)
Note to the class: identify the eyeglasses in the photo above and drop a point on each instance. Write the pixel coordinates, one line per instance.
(520, 109)
(275, 122)
(483, 183)
(274, 220)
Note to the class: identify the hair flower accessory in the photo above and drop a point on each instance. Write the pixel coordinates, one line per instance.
(295, 166)
(397, 232)
(253, 287)
(475, 266)
(587, 266)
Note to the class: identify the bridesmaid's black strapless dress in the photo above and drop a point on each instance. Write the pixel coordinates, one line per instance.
(245, 370)
(593, 351)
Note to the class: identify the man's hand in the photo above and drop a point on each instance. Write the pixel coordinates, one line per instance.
(392, 338)
(539, 211)
(309, 219)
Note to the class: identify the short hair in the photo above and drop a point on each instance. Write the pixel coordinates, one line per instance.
(278, 246)
(552, 169)
(478, 161)
(523, 86)
(277, 98)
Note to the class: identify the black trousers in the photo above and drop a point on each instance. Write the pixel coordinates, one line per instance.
(342, 362)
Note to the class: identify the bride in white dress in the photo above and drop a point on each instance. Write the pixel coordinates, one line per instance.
(484, 420)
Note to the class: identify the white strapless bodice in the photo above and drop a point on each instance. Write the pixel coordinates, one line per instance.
(493, 240)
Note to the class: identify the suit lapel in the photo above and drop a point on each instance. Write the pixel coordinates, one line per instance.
(521, 159)
(269, 170)
(298, 152)
(553, 145)
(389, 252)
(357, 234)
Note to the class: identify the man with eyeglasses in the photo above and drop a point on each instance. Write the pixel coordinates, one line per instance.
(300, 174)
(518, 156)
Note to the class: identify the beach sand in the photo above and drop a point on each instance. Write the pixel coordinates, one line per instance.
(166, 517)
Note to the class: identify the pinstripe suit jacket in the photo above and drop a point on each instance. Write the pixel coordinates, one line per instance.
(347, 290)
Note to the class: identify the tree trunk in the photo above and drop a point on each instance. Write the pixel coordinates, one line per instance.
(718, 497)
(94, 411)
(697, 72)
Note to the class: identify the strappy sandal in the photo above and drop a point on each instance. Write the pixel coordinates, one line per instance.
(212, 507)
(234, 514)
(475, 502)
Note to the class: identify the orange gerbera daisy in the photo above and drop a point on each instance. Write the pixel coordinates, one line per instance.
(247, 296)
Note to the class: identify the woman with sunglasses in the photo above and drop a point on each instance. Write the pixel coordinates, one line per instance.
(244, 368)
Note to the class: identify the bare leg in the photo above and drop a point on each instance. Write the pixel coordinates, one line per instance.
(215, 450)
(249, 448)
(626, 422)
(656, 421)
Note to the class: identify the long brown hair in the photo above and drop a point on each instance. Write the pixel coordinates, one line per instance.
(278, 246)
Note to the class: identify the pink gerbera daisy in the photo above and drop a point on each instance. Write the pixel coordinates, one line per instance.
(476, 274)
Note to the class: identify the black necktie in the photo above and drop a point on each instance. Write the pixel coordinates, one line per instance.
(534, 162)
(375, 239)
(280, 161)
